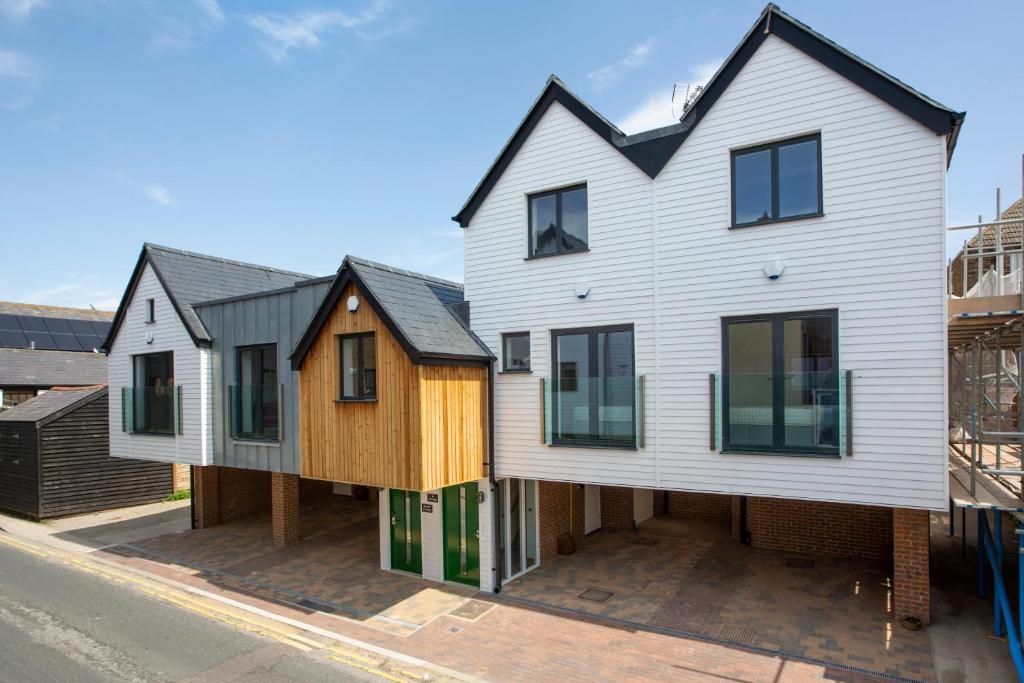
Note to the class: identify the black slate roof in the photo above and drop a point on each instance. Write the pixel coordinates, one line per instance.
(418, 309)
(23, 367)
(190, 278)
(47, 405)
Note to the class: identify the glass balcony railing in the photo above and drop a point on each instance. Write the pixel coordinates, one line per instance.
(255, 411)
(593, 411)
(151, 410)
(800, 412)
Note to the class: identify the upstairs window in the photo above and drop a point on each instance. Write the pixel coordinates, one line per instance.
(778, 181)
(150, 310)
(153, 393)
(558, 221)
(358, 367)
(256, 393)
(515, 352)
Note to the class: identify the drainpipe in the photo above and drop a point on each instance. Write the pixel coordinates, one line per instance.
(495, 491)
(744, 531)
(191, 493)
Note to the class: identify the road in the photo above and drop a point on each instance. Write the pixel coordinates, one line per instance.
(58, 623)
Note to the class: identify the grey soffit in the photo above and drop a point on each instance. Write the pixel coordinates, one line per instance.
(190, 278)
(651, 150)
(417, 309)
(26, 368)
(46, 407)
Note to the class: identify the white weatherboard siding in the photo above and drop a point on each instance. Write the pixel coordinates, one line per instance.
(191, 373)
(662, 257)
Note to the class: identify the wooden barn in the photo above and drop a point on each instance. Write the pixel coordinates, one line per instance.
(55, 458)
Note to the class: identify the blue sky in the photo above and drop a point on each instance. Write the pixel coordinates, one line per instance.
(293, 133)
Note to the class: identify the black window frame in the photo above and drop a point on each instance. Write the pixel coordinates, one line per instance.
(557, 193)
(361, 396)
(255, 435)
(150, 310)
(505, 369)
(140, 424)
(774, 148)
(593, 441)
(777, 320)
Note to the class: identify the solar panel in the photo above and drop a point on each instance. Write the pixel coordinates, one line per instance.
(19, 331)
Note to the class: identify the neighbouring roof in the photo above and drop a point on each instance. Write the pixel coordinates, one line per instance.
(41, 330)
(1011, 234)
(190, 278)
(52, 404)
(14, 308)
(417, 309)
(651, 150)
(25, 368)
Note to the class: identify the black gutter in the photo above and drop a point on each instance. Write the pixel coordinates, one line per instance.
(495, 490)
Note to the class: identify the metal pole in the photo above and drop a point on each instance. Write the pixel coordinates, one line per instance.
(999, 245)
(981, 243)
(974, 416)
(1020, 580)
(982, 522)
(999, 392)
(999, 629)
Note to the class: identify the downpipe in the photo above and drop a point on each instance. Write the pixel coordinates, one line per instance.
(495, 489)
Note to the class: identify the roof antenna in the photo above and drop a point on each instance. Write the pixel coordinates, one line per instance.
(687, 98)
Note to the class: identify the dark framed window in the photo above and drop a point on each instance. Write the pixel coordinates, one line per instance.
(256, 393)
(153, 393)
(515, 352)
(780, 388)
(150, 310)
(594, 388)
(358, 354)
(558, 221)
(776, 182)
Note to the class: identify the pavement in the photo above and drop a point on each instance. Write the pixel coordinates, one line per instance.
(452, 634)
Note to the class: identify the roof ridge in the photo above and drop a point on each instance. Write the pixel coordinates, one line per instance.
(407, 273)
(221, 259)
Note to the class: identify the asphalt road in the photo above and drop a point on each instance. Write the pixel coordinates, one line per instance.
(60, 624)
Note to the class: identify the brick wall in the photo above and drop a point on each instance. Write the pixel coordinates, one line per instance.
(206, 496)
(553, 499)
(832, 529)
(911, 538)
(700, 505)
(616, 508)
(285, 508)
(181, 479)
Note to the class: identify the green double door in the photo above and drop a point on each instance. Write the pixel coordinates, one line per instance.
(462, 533)
(406, 554)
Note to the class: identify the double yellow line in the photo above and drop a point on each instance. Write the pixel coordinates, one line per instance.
(213, 610)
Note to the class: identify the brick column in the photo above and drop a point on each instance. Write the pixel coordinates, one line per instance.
(206, 496)
(911, 588)
(285, 507)
(736, 518)
(616, 508)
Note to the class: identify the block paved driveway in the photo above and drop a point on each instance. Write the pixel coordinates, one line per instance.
(679, 600)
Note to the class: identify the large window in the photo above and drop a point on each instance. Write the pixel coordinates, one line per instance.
(256, 393)
(779, 181)
(153, 393)
(558, 221)
(594, 387)
(515, 352)
(358, 367)
(781, 383)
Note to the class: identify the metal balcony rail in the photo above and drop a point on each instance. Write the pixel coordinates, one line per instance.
(151, 410)
(256, 411)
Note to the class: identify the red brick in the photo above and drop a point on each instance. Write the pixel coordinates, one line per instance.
(616, 508)
(819, 528)
(285, 507)
(911, 546)
(555, 500)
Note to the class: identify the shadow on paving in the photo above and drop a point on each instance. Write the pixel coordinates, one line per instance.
(689, 577)
(334, 568)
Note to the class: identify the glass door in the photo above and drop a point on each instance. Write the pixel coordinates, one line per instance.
(518, 526)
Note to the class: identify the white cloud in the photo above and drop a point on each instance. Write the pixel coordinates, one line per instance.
(607, 75)
(74, 295)
(658, 109)
(152, 191)
(19, 10)
(178, 25)
(211, 10)
(450, 233)
(19, 80)
(281, 34)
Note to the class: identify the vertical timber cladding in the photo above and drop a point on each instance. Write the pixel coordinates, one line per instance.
(426, 430)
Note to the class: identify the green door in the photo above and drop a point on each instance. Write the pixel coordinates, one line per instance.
(462, 534)
(405, 531)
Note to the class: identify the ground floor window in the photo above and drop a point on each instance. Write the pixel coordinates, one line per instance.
(518, 526)
(781, 383)
(153, 393)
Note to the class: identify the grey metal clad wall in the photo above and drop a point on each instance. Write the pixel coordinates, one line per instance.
(274, 318)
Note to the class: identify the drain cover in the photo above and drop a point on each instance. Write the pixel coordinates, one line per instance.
(471, 609)
(738, 634)
(799, 563)
(595, 595)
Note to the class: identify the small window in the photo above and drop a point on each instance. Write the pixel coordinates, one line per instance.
(558, 221)
(150, 310)
(775, 182)
(255, 400)
(515, 352)
(358, 367)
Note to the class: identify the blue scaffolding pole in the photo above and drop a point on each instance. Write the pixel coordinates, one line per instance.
(990, 552)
